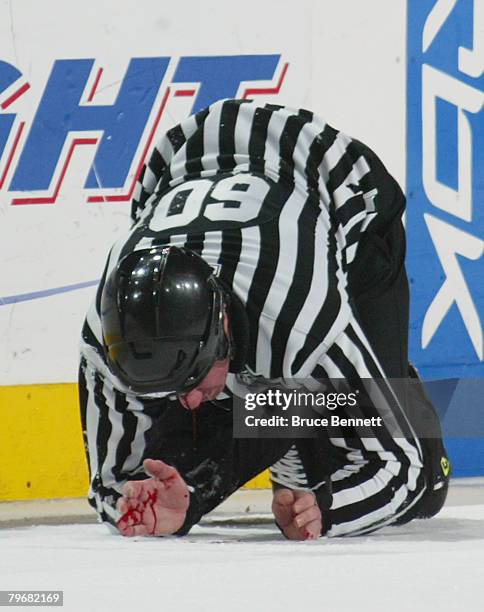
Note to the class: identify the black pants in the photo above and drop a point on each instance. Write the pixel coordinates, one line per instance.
(202, 446)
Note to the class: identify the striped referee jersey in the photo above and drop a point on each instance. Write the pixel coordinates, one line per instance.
(275, 200)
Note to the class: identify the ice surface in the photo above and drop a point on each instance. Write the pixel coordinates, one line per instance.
(436, 564)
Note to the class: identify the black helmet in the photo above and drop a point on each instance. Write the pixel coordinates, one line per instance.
(162, 316)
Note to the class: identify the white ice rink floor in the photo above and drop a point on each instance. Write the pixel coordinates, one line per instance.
(433, 565)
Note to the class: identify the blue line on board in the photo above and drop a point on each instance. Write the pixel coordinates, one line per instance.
(25, 297)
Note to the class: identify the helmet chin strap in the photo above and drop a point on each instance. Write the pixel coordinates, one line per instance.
(238, 333)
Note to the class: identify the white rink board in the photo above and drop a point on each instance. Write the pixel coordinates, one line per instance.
(345, 61)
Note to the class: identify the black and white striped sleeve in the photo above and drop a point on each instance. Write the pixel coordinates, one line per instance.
(114, 429)
(383, 476)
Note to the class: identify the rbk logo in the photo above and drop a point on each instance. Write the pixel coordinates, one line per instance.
(35, 158)
(457, 201)
(444, 174)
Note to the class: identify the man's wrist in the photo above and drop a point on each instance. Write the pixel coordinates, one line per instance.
(193, 514)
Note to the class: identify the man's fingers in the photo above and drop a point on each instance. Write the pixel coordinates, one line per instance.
(297, 514)
(134, 519)
(304, 518)
(158, 469)
(284, 497)
(132, 489)
(122, 505)
(304, 502)
(312, 530)
(141, 530)
(125, 530)
(134, 530)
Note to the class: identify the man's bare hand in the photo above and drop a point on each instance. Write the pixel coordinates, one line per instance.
(297, 514)
(155, 506)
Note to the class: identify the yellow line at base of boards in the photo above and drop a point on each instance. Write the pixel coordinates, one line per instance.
(41, 448)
